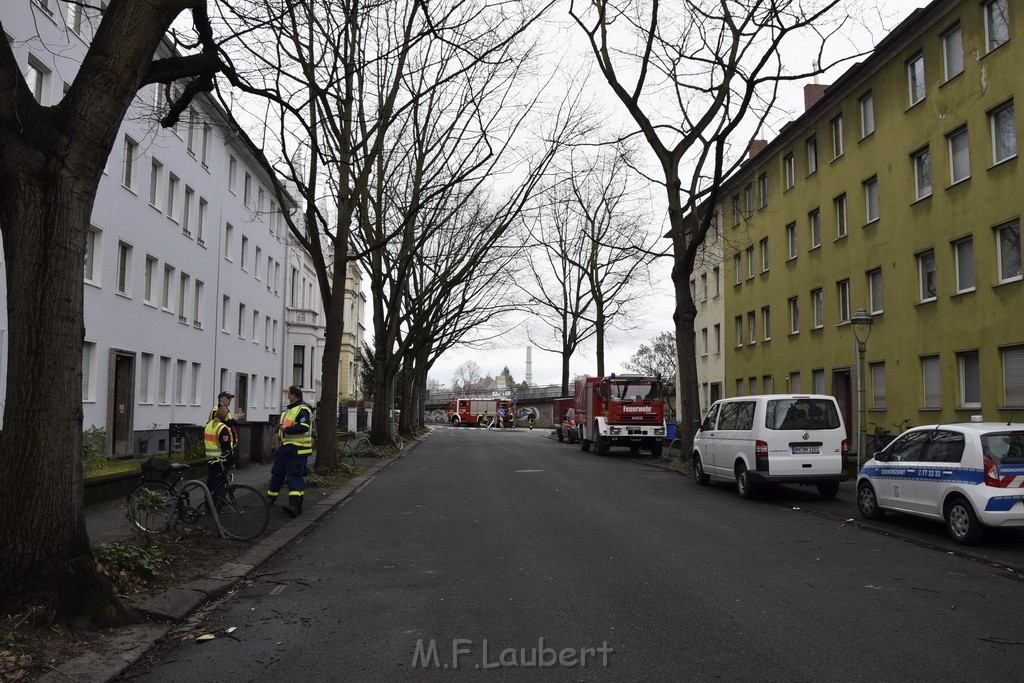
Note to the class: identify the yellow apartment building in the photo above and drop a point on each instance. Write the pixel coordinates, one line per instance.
(896, 191)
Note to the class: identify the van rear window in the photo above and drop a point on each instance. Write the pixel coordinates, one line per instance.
(1004, 447)
(801, 413)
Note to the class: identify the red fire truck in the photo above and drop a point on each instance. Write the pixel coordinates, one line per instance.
(621, 410)
(476, 412)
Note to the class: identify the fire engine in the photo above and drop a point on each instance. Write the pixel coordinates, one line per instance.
(471, 412)
(621, 410)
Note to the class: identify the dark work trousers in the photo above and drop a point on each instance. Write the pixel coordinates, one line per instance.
(290, 466)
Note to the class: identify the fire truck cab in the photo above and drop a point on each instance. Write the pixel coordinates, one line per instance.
(621, 410)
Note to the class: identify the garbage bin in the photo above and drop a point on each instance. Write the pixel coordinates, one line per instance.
(670, 431)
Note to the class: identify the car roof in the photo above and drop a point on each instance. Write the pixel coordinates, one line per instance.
(975, 427)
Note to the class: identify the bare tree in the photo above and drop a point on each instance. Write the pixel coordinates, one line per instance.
(51, 162)
(467, 374)
(689, 73)
(657, 359)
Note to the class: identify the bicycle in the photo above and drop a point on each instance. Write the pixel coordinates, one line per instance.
(883, 436)
(239, 510)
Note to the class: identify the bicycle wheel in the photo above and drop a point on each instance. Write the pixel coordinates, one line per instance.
(243, 512)
(151, 506)
(399, 444)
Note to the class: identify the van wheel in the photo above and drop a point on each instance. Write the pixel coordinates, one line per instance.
(699, 475)
(962, 523)
(560, 437)
(828, 489)
(867, 503)
(744, 486)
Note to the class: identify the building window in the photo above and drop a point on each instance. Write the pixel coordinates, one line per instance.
(752, 326)
(124, 268)
(769, 384)
(1004, 133)
(76, 19)
(156, 174)
(130, 161)
(915, 79)
(172, 197)
(818, 381)
(794, 316)
(190, 138)
(959, 156)
(922, 173)
(930, 382)
(88, 371)
(867, 115)
(737, 262)
(245, 253)
(718, 338)
(247, 191)
(204, 209)
(739, 331)
(739, 387)
(963, 254)
(229, 234)
(840, 206)
(204, 157)
(241, 321)
(791, 240)
(145, 369)
(766, 322)
(704, 341)
(750, 262)
(255, 327)
(843, 293)
(789, 165)
(748, 197)
(298, 365)
(162, 384)
(186, 212)
(165, 295)
(1013, 376)
(794, 382)
(197, 306)
(818, 306)
(196, 375)
(877, 372)
(997, 23)
(38, 79)
(812, 156)
(814, 218)
(871, 199)
(225, 309)
(837, 137)
(764, 255)
(232, 173)
(926, 275)
(1008, 237)
(736, 213)
(970, 379)
(183, 282)
(875, 290)
(953, 52)
(762, 189)
(148, 279)
(715, 275)
(179, 382)
(752, 382)
(93, 244)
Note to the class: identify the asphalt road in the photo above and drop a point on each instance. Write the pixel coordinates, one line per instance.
(493, 555)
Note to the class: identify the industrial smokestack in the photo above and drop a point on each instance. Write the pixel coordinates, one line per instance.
(529, 367)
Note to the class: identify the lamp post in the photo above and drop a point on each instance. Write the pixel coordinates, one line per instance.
(862, 322)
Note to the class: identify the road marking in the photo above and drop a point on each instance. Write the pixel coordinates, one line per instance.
(528, 471)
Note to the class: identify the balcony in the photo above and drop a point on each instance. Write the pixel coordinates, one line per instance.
(302, 316)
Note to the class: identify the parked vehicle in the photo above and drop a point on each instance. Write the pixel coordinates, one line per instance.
(474, 412)
(620, 410)
(772, 439)
(969, 475)
(563, 416)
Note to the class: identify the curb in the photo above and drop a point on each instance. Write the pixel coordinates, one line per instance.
(175, 605)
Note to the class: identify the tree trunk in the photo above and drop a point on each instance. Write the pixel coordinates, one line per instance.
(686, 342)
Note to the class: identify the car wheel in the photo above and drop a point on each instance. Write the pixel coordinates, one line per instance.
(867, 502)
(828, 489)
(744, 485)
(962, 523)
(560, 437)
(699, 475)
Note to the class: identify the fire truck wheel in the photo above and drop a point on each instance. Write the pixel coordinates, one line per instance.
(584, 445)
(600, 445)
(559, 433)
(634, 450)
(656, 448)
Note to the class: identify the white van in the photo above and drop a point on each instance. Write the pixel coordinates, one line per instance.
(772, 439)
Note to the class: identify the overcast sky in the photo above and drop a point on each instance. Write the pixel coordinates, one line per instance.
(656, 314)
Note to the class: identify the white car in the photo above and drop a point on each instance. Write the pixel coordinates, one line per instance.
(971, 475)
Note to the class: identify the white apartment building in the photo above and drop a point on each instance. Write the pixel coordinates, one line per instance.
(187, 276)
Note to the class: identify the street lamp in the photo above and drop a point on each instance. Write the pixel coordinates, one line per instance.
(862, 322)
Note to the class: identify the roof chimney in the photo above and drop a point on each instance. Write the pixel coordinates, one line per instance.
(812, 93)
(755, 148)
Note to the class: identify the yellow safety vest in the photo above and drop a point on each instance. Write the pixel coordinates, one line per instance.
(211, 437)
(304, 441)
(234, 432)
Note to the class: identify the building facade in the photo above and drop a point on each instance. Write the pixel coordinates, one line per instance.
(897, 191)
(349, 376)
(706, 289)
(192, 286)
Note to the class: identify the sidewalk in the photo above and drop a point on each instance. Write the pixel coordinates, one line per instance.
(106, 522)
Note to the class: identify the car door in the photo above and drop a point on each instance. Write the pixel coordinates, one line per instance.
(941, 466)
(707, 439)
(898, 471)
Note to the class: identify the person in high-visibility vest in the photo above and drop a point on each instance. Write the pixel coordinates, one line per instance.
(295, 430)
(224, 401)
(219, 450)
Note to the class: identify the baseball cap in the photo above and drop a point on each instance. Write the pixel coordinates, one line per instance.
(227, 394)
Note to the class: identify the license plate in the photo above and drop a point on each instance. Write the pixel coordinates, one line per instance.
(805, 450)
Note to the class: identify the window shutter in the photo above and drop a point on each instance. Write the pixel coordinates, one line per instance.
(932, 386)
(147, 361)
(1013, 376)
(87, 348)
(878, 385)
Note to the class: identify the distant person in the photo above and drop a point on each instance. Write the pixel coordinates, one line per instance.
(295, 429)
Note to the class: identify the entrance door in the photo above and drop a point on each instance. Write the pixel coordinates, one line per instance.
(842, 390)
(123, 403)
(716, 391)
